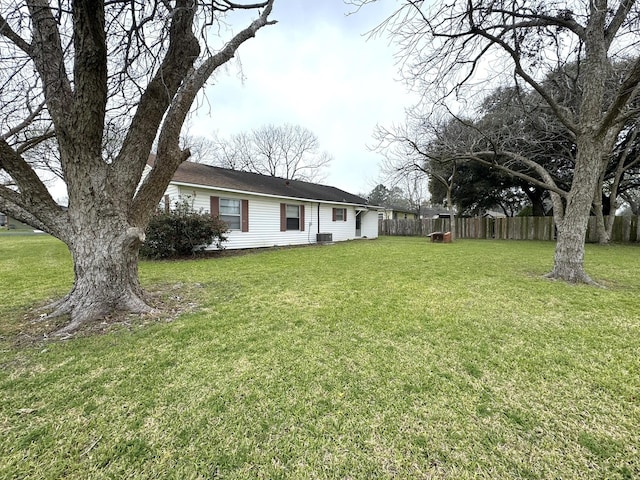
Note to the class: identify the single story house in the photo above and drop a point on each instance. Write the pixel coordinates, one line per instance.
(494, 214)
(394, 212)
(266, 211)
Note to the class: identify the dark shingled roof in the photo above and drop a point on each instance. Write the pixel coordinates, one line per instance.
(206, 175)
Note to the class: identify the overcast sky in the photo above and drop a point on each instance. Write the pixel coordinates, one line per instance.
(318, 69)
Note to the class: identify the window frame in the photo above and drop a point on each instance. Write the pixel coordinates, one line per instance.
(214, 210)
(236, 216)
(291, 217)
(284, 217)
(339, 214)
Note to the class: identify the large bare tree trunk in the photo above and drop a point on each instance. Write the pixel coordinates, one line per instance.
(83, 92)
(572, 226)
(105, 258)
(568, 262)
(594, 141)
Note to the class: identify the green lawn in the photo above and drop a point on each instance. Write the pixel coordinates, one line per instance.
(395, 358)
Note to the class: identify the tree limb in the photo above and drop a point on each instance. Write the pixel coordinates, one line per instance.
(489, 158)
(48, 56)
(618, 20)
(16, 39)
(25, 123)
(10, 205)
(627, 91)
(89, 72)
(169, 155)
(32, 195)
(562, 113)
(183, 50)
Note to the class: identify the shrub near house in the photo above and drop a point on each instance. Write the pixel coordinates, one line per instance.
(182, 231)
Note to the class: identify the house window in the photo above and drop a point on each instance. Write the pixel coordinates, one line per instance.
(233, 212)
(339, 214)
(291, 217)
(230, 212)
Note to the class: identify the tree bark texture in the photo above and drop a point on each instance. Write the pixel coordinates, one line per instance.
(109, 204)
(593, 142)
(106, 275)
(572, 225)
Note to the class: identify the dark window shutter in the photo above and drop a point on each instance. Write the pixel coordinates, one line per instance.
(334, 214)
(283, 217)
(302, 218)
(344, 217)
(244, 218)
(214, 206)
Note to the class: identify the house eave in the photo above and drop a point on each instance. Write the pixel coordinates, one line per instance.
(268, 195)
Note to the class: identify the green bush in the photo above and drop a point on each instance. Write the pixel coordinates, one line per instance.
(182, 231)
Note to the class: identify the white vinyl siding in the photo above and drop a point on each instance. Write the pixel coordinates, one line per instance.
(369, 224)
(342, 230)
(173, 192)
(264, 219)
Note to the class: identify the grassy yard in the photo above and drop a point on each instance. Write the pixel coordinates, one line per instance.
(394, 358)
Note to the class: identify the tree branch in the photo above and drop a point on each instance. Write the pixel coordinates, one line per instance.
(25, 123)
(183, 50)
(563, 114)
(169, 156)
(32, 195)
(10, 205)
(17, 40)
(89, 72)
(547, 181)
(627, 91)
(618, 20)
(48, 56)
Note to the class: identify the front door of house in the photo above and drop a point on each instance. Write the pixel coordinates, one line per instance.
(358, 224)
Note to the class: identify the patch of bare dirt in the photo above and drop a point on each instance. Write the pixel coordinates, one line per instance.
(169, 300)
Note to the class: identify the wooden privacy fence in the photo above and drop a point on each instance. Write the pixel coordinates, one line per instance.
(625, 229)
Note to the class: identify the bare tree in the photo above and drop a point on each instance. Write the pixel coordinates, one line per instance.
(415, 187)
(287, 151)
(419, 149)
(449, 48)
(619, 179)
(201, 148)
(102, 80)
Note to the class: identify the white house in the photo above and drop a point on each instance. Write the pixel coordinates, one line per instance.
(265, 211)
